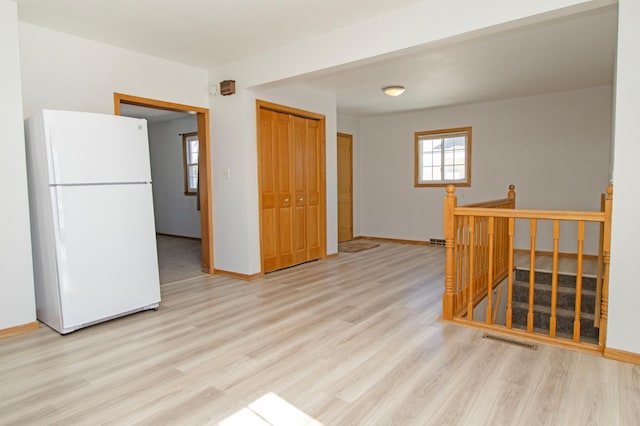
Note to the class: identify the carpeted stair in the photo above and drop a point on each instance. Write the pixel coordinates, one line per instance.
(565, 304)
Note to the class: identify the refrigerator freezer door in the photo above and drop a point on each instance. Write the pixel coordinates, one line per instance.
(87, 148)
(106, 249)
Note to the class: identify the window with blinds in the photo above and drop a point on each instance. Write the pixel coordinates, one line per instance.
(443, 157)
(190, 149)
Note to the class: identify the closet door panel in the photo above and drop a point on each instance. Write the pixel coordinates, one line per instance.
(291, 172)
(268, 192)
(269, 243)
(313, 185)
(299, 132)
(284, 184)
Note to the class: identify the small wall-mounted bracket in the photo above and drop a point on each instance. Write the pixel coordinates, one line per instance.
(227, 87)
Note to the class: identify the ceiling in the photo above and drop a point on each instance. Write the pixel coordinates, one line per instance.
(572, 52)
(152, 115)
(203, 33)
(564, 54)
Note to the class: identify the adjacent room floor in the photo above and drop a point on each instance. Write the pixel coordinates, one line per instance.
(178, 258)
(349, 340)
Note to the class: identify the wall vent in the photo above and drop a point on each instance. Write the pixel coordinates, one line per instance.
(436, 242)
(510, 341)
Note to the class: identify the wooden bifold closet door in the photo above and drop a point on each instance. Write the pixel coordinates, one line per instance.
(290, 158)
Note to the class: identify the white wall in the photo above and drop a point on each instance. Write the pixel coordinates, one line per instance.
(351, 126)
(554, 148)
(235, 198)
(233, 121)
(624, 292)
(17, 302)
(236, 215)
(60, 71)
(175, 212)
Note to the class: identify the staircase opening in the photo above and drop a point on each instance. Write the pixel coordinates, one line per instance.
(494, 283)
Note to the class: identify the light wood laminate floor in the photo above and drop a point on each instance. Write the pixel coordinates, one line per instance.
(350, 340)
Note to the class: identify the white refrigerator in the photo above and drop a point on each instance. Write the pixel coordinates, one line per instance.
(92, 221)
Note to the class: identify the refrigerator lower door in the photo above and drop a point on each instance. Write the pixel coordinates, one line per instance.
(106, 252)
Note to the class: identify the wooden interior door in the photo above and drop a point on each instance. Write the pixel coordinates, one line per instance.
(314, 181)
(345, 187)
(299, 133)
(307, 229)
(276, 194)
(291, 172)
(284, 177)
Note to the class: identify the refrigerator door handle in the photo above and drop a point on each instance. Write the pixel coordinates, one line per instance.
(55, 160)
(59, 212)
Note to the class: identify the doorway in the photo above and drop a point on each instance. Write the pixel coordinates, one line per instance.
(345, 187)
(204, 164)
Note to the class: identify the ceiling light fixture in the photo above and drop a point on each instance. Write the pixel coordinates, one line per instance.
(393, 90)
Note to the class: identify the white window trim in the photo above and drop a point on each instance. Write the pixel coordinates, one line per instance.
(419, 136)
(186, 164)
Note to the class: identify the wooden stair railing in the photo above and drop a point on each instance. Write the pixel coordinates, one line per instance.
(479, 241)
(480, 249)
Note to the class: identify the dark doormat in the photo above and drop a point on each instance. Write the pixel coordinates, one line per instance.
(355, 246)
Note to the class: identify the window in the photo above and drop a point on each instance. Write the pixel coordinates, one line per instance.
(190, 150)
(443, 157)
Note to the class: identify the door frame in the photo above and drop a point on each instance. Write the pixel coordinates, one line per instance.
(260, 104)
(350, 137)
(202, 115)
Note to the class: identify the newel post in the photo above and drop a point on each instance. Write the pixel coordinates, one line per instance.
(448, 298)
(512, 195)
(606, 257)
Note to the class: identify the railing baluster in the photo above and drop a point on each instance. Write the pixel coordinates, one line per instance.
(448, 298)
(490, 271)
(485, 255)
(485, 269)
(532, 272)
(467, 264)
(482, 262)
(505, 245)
(478, 250)
(496, 249)
(500, 249)
(505, 242)
(463, 255)
(554, 279)
(596, 316)
(462, 260)
(459, 260)
(576, 320)
(510, 272)
(476, 255)
(471, 294)
(606, 258)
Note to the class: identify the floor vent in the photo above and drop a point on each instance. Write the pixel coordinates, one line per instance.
(436, 242)
(510, 341)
